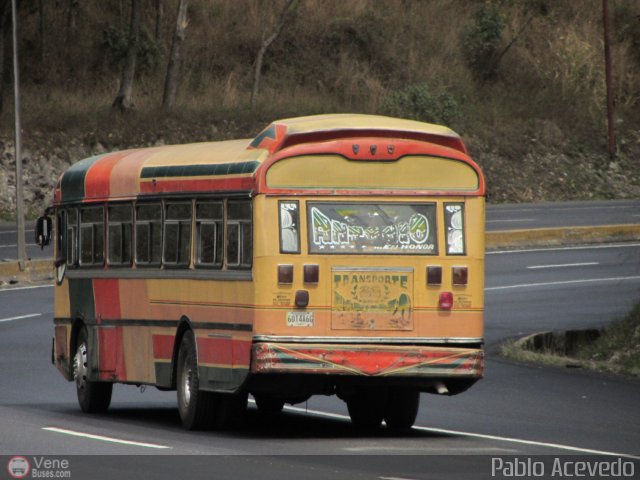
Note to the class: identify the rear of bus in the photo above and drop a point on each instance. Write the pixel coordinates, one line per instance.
(372, 288)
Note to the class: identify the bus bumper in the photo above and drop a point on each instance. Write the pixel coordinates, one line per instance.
(368, 360)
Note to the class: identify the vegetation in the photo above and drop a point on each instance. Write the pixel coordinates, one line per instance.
(521, 80)
(616, 349)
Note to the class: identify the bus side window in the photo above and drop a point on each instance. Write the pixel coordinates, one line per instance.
(92, 236)
(120, 224)
(148, 234)
(71, 237)
(239, 234)
(209, 234)
(177, 234)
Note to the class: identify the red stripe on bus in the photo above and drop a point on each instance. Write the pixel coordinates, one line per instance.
(223, 351)
(168, 186)
(98, 178)
(111, 354)
(163, 347)
(106, 294)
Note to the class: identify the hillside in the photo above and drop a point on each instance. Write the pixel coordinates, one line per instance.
(521, 81)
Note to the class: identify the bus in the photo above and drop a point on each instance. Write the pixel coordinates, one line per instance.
(329, 255)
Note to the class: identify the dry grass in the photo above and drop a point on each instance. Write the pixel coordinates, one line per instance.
(544, 111)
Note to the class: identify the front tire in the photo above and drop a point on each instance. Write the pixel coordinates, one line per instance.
(93, 397)
(196, 407)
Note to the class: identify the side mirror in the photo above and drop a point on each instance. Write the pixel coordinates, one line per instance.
(43, 231)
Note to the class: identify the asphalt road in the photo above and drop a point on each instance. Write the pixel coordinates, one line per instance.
(516, 410)
(499, 217)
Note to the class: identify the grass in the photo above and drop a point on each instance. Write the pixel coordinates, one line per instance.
(617, 350)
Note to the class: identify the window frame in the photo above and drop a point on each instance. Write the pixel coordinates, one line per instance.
(121, 224)
(180, 223)
(147, 223)
(219, 234)
(241, 223)
(95, 226)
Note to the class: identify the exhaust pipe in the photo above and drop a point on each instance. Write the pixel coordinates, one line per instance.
(441, 388)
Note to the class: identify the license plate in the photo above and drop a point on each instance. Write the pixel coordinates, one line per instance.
(300, 319)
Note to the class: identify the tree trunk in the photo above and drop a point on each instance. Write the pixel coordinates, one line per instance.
(264, 45)
(171, 80)
(159, 15)
(42, 32)
(72, 17)
(123, 100)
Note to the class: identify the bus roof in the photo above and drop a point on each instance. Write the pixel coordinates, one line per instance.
(238, 165)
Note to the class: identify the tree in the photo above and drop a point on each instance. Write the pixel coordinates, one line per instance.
(124, 99)
(266, 41)
(171, 80)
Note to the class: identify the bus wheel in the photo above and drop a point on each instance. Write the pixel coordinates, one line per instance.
(93, 397)
(268, 405)
(196, 407)
(402, 408)
(367, 407)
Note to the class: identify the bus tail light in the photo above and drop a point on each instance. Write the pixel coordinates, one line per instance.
(445, 302)
(302, 298)
(460, 275)
(285, 274)
(434, 275)
(311, 273)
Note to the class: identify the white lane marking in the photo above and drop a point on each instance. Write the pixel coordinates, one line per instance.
(14, 245)
(103, 438)
(526, 442)
(15, 231)
(515, 220)
(395, 478)
(13, 289)
(561, 265)
(477, 435)
(561, 249)
(566, 282)
(10, 319)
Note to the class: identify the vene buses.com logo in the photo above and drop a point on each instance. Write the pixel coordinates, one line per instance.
(18, 467)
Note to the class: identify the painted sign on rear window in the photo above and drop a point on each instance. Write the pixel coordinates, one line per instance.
(367, 228)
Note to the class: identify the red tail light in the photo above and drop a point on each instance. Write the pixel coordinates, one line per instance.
(285, 274)
(460, 275)
(445, 302)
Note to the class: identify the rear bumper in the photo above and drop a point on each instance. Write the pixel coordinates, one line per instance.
(368, 360)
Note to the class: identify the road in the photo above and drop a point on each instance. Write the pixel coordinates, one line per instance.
(515, 410)
(499, 217)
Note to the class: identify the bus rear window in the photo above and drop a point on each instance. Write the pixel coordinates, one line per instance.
(369, 228)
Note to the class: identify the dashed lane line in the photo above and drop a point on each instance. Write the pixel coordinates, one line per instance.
(21, 317)
(103, 438)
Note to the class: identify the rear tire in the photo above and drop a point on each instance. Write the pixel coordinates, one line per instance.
(268, 406)
(196, 407)
(93, 397)
(402, 408)
(367, 408)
